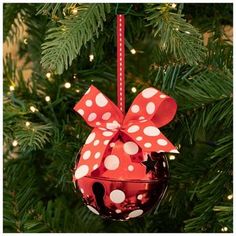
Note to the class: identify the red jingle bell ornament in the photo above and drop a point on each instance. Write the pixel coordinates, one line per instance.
(122, 170)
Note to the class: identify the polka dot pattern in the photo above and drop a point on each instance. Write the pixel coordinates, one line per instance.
(151, 131)
(117, 196)
(130, 148)
(133, 129)
(81, 171)
(135, 109)
(149, 92)
(150, 108)
(86, 155)
(101, 101)
(111, 162)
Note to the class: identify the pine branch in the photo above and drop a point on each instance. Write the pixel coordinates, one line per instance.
(62, 44)
(175, 34)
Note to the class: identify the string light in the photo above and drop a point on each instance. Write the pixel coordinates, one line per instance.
(171, 157)
(74, 76)
(230, 196)
(224, 229)
(33, 109)
(11, 88)
(134, 90)
(77, 90)
(25, 41)
(133, 51)
(187, 32)
(47, 99)
(27, 123)
(91, 57)
(67, 85)
(14, 143)
(74, 11)
(173, 5)
(48, 75)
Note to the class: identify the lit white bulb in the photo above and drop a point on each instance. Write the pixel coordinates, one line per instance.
(91, 57)
(74, 11)
(47, 99)
(67, 85)
(171, 157)
(187, 32)
(25, 41)
(133, 51)
(27, 123)
(33, 109)
(48, 75)
(11, 88)
(224, 229)
(173, 5)
(230, 196)
(14, 143)
(77, 90)
(133, 90)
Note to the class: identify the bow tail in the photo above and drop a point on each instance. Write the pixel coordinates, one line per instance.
(149, 137)
(93, 151)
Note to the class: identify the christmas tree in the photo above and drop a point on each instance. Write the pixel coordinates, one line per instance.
(54, 52)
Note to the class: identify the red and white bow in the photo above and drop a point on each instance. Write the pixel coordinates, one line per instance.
(150, 110)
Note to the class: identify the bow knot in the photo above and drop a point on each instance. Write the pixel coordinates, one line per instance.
(150, 110)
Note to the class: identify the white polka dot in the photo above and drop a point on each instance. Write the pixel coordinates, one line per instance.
(102, 128)
(160, 151)
(96, 142)
(130, 168)
(97, 155)
(92, 116)
(162, 142)
(93, 210)
(151, 131)
(174, 151)
(81, 171)
(112, 144)
(133, 129)
(130, 148)
(112, 162)
(150, 108)
(147, 145)
(149, 92)
(86, 155)
(139, 138)
(107, 133)
(162, 96)
(81, 112)
(139, 197)
(118, 211)
(141, 118)
(95, 166)
(98, 123)
(88, 103)
(81, 190)
(90, 138)
(106, 142)
(136, 213)
(135, 108)
(117, 196)
(101, 100)
(112, 125)
(164, 164)
(143, 121)
(106, 116)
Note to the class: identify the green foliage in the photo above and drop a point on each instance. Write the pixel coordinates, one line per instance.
(175, 35)
(63, 43)
(38, 189)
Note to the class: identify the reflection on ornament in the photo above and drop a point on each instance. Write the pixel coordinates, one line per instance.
(14, 143)
(47, 99)
(67, 85)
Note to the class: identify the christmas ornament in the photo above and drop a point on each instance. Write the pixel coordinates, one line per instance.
(122, 169)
